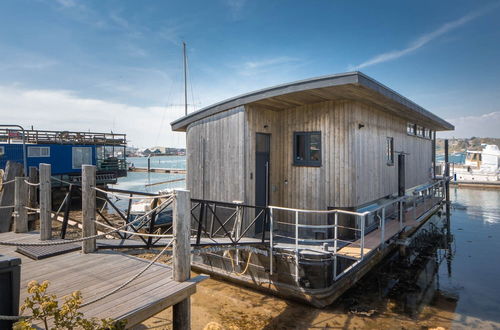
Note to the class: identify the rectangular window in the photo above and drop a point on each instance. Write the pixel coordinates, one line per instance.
(420, 131)
(410, 128)
(307, 148)
(38, 151)
(2, 150)
(81, 156)
(390, 151)
(430, 134)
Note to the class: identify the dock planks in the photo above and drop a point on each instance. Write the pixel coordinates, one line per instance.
(95, 274)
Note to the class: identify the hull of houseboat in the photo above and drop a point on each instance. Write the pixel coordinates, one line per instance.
(315, 282)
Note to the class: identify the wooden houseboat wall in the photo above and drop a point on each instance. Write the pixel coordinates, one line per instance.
(354, 125)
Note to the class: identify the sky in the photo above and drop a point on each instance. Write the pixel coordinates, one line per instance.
(117, 65)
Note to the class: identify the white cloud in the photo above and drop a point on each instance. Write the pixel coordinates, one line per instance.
(485, 125)
(235, 6)
(260, 66)
(424, 39)
(64, 110)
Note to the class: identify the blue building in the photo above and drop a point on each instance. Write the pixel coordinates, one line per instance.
(66, 152)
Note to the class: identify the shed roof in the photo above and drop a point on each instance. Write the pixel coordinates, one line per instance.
(350, 85)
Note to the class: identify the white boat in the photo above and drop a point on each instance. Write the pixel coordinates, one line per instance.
(480, 165)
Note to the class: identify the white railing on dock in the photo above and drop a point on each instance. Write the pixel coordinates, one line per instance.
(435, 189)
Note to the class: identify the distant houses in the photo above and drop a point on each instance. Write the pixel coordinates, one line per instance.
(155, 151)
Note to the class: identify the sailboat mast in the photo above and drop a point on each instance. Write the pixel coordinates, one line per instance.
(185, 79)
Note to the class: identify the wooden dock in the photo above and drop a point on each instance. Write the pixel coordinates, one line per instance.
(158, 170)
(95, 274)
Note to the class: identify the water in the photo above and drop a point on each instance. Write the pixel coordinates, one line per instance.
(476, 263)
(467, 286)
(138, 181)
(458, 158)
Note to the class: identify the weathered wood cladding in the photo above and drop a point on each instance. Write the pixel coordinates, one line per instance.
(374, 178)
(353, 171)
(216, 154)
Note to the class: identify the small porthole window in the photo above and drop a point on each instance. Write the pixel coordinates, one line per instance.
(307, 148)
(390, 151)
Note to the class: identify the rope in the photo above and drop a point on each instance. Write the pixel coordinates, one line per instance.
(133, 232)
(7, 206)
(66, 182)
(132, 197)
(12, 318)
(212, 249)
(232, 263)
(31, 184)
(88, 237)
(131, 279)
(32, 209)
(7, 182)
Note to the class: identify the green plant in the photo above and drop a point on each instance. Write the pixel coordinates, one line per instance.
(45, 307)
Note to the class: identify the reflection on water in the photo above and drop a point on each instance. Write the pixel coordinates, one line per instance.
(461, 278)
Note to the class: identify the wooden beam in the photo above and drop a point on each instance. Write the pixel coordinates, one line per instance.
(45, 202)
(182, 255)
(12, 169)
(88, 207)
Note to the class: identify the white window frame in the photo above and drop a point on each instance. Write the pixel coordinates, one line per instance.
(40, 153)
(73, 157)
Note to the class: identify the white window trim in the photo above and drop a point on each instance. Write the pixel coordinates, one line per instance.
(40, 148)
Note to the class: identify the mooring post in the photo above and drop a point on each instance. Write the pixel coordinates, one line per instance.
(32, 198)
(88, 207)
(20, 203)
(45, 202)
(447, 189)
(182, 255)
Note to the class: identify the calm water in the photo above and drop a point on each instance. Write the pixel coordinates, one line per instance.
(471, 278)
(475, 268)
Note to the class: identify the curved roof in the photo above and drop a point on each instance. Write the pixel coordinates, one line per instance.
(350, 85)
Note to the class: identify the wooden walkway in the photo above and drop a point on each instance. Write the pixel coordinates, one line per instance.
(96, 274)
(373, 239)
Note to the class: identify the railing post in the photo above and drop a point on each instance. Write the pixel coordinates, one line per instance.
(20, 204)
(182, 255)
(335, 246)
(382, 223)
(88, 207)
(363, 220)
(296, 245)
(45, 202)
(271, 225)
(401, 214)
(32, 198)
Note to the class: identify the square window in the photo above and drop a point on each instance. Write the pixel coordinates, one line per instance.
(307, 148)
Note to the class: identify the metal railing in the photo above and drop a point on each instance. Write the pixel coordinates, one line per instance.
(380, 213)
(233, 221)
(9, 135)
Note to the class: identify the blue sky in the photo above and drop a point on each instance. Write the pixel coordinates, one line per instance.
(117, 65)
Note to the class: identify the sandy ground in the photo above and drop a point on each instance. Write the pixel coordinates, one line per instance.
(222, 305)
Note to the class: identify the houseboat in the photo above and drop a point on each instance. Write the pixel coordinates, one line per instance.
(311, 182)
(66, 151)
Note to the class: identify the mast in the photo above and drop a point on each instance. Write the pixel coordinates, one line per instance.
(185, 79)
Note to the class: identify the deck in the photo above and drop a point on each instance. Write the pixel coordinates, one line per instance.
(98, 273)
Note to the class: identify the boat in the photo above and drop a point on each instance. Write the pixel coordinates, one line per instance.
(481, 166)
(301, 189)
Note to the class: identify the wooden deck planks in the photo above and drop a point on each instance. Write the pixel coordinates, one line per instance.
(392, 227)
(98, 273)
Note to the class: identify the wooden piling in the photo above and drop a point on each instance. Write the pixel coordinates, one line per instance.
(32, 196)
(12, 169)
(20, 204)
(88, 207)
(182, 255)
(45, 202)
